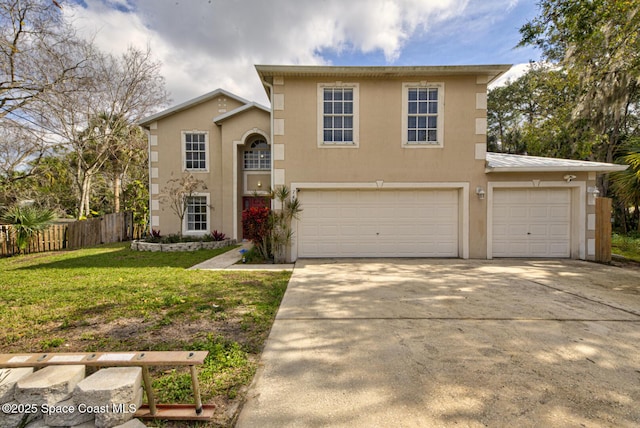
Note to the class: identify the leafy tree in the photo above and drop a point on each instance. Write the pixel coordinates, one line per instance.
(97, 119)
(533, 115)
(136, 199)
(597, 43)
(58, 91)
(52, 185)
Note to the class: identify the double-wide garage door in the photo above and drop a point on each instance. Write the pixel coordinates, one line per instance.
(378, 223)
(531, 222)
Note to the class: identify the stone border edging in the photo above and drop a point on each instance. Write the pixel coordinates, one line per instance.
(181, 246)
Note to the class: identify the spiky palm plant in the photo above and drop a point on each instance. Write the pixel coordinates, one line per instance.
(27, 222)
(626, 184)
(281, 234)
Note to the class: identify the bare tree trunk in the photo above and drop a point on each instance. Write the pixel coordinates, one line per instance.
(117, 184)
(85, 195)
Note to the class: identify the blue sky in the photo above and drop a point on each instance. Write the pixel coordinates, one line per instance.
(209, 44)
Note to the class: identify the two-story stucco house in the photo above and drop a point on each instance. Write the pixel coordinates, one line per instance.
(220, 139)
(386, 162)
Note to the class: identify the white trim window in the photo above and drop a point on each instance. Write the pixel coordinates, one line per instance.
(258, 157)
(196, 218)
(338, 108)
(422, 114)
(195, 150)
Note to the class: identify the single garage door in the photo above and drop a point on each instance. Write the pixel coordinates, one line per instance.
(531, 222)
(378, 223)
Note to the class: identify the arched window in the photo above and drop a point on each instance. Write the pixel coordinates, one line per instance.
(258, 156)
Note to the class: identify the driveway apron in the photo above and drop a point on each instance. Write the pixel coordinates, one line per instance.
(416, 342)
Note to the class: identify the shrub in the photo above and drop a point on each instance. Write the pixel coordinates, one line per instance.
(256, 223)
(27, 222)
(270, 231)
(218, 236)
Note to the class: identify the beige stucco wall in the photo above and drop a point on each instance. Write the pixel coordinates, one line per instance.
(380, 155)
(237, 131)
(224, 139)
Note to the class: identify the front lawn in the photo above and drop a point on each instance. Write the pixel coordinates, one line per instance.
(110, 298)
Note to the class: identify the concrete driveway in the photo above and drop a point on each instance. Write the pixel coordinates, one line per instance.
(410, 343)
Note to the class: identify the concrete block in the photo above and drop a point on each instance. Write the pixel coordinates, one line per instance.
(38, 423)
(115, 392)
(50, 385)
(133, 423)
(120, 415)
(90, 424)
(8, 380)
(14, 419)
(66, 414)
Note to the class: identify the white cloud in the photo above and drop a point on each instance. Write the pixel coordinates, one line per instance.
(206, 44)
(514, 73)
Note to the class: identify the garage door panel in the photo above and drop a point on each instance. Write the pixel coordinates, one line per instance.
(559, 212)
(539, 212)
(539, 249)
(539, 230)
(326, 229)
(412, 223)
(445, 211)
(516, 212)
(531, 222)
(559, 230)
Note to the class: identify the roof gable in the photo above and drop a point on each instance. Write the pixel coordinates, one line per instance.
(239, 110)
(191, 103)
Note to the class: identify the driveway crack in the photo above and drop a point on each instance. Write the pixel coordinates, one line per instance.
(588, 299)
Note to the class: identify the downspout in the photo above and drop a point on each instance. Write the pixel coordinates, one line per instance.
(270, 86)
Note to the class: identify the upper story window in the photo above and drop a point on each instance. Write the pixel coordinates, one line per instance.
(195, 151)
(258, 157)
(338, 114)
(422, 114)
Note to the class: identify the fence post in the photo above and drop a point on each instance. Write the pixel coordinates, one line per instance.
(603, 230)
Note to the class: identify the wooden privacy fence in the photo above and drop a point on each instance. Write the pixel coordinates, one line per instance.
(48, 240)
(115, 227)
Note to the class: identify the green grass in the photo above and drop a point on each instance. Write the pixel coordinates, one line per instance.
(627, 246)
(110, 298)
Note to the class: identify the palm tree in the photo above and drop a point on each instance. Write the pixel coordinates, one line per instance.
(626, 184)
(27, 222)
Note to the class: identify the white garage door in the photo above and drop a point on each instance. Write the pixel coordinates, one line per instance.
(378, 223)
(531, 222)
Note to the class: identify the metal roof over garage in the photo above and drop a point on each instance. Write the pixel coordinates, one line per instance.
(504, 162)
